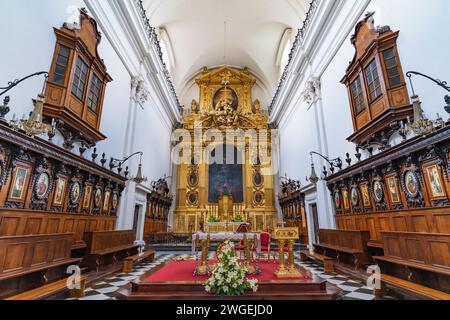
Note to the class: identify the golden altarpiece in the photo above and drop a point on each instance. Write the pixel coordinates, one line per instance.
(226, 194)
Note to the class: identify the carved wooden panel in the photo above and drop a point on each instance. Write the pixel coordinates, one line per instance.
(24, 223)
(18, 253)
(427, 249)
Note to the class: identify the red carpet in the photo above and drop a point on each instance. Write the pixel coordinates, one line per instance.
(176, 271)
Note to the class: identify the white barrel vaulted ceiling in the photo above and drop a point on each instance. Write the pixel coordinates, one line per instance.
(241, 33)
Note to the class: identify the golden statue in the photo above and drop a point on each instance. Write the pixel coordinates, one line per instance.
(194, 106)
(224, 113)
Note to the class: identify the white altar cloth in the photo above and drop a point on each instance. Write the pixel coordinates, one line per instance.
(220, 237)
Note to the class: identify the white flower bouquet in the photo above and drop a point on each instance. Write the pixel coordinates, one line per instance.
(228, 277)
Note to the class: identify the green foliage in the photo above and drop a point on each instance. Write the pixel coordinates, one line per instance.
(228, 277)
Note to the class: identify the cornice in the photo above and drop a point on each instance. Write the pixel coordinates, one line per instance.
(399, 151)
(57, 153)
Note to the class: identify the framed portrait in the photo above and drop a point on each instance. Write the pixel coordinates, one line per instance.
(42, 185)
(115, 201)
(60, 191)
(345, 200)
(193, 179)
(434, 180)
(106, 201)
(412, 186)
(258, 179)
(378, 192)
(87, 196)
(394, 190)
(19, 182)
(354, 193)
(337, 201)
(365, 195)
(98, 198)
(75, 193)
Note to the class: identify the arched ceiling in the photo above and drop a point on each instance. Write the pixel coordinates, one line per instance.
(197, 36)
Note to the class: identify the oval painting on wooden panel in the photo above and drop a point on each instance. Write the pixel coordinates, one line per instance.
(378, 192)
(98, 198)
(115, 201)
(411, 184)
(42, 185)
(75, 193)
(337, 200)
(355, 197)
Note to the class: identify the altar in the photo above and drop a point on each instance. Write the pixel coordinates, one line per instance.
(220, 227)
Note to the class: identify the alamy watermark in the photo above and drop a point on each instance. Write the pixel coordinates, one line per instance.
(74, 281)
(374, 281)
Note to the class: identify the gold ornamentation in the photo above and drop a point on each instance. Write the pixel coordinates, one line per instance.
(286, 236)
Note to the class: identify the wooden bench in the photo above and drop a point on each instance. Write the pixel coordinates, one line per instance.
(411, 287)
(129, 261)
(327, 261)
(52, 289)
(106, 248)
(346, 246)
(416, 262)
(29, 262)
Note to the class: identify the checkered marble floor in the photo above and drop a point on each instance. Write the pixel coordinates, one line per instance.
(106, 289)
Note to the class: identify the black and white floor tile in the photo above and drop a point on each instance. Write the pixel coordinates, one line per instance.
(106, 289)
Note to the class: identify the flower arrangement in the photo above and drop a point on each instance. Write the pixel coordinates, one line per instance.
(228, 277)
(238, 218)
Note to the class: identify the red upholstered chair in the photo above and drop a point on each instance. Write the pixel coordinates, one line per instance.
(265, 239)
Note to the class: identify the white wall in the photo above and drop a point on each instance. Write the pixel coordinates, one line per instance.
(423, 46)
(28, 43)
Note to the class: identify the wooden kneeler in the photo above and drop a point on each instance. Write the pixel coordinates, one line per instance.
(328, 265)
(128, 262)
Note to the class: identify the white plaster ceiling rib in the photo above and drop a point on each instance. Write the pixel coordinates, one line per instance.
(254, 32)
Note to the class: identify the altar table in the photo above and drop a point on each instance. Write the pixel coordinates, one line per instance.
(221, 237)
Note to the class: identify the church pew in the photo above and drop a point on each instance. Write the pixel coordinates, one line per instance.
(28, 262)
(129, 261)
(327, 261)
(346, 246)
(27, 222)
(52, 289)
(415, 259)
(105, 248)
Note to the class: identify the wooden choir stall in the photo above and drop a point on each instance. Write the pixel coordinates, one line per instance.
(292, 203)
(58, 209)
(393, 208)
(159, 202)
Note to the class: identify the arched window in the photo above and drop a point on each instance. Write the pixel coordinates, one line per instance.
(284, 50)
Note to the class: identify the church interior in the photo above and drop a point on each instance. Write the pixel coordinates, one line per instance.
(206, 149)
